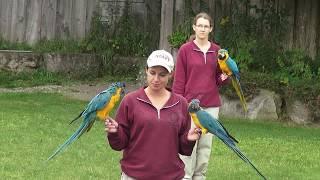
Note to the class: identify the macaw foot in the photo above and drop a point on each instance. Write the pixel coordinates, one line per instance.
(204, 131)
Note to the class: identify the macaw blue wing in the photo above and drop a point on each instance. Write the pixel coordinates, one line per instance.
(216, 128)
(212, 124)
(233, 67)
(101, 101)
(96, 103)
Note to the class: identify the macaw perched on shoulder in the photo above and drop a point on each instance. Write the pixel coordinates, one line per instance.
(99, 107)
(207, 123)
(230, 68)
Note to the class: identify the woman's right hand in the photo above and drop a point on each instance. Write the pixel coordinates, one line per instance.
(111, 126)
(194, 134)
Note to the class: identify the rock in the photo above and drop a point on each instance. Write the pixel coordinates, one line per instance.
(13, 64)
(231, 108)
(298, 112)
(264, 106)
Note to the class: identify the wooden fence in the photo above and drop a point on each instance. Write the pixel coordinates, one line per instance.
(303, 16)
(31, 20)
(304, 20)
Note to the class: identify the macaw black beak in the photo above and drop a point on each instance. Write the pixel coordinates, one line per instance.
(123, 89)
(221, 56)
(123, 92)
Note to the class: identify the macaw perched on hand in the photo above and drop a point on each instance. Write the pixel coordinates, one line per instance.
(230, 68)
(99, 107)
(207, 123)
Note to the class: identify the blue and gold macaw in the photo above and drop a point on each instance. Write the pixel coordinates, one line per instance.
(207, 123)
(230, 68)
(99, 107)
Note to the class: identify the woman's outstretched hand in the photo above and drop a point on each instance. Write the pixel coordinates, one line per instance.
(194, 134)
(111, 126)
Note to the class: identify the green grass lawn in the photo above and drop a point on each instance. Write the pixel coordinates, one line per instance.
(33, 125)
(278, 151)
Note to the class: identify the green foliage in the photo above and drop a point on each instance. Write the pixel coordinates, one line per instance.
(121, 39)
(57, 46)
(256, 37)
(296, 64)
(177, 38)
(181, 34)
(315, 66)
(124, 38)
(96, 40)
(244, 58)
(6, 45)
(130, 37)
(255, 41)
(251, 82)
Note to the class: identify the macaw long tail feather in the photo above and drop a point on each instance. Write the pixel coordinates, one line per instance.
(77, 117)
(243, 157)
(233, 138)
(72, 138)
(237, 87)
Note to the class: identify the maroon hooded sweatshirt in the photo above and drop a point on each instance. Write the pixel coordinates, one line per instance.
(197, 75)
(151, 139)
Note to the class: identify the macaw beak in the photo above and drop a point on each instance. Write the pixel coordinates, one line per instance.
(123, 92)
(221, 56)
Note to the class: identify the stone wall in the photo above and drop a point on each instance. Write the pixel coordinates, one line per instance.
(78, 65)
(18, 61)
(75, 65)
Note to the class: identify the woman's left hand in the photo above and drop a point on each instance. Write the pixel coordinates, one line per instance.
(223, 77)
(194, 134)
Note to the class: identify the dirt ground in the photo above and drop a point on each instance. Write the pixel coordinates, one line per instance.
(76, 91)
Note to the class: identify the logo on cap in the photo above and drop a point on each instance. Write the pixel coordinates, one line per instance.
(161, 58)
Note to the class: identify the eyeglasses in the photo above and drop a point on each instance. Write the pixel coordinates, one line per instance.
(200, 26)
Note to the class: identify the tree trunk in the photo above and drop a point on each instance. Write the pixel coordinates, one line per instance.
(166, 24)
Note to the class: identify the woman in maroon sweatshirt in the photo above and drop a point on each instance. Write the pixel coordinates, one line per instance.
(152, 126)
(198, 76)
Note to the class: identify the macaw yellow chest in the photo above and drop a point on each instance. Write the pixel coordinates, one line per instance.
(197, 123)
(104, 112)
(224, 67)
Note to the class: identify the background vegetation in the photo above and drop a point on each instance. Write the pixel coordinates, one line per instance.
(123, 38)
(257, 44)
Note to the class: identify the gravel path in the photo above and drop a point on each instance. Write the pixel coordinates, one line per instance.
(76, 91)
